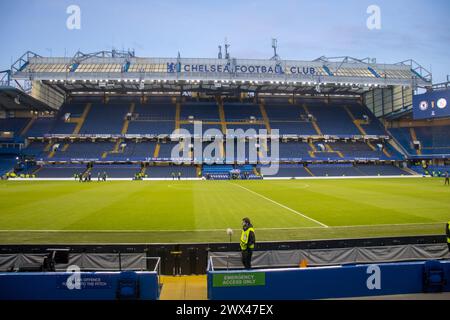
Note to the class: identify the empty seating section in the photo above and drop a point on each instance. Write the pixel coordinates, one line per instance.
(358, 149)
(381, 170)
(81, 151)
(294, 150)
(333, 119)
(28, 170)
(14, 125)
(246, 128)
(288, 119)
(151, 127)
(40, 127)
(155, 117)
(205, 111)
(105, 118)
(293, 127)
(60, 171)
(372, 126)
(434, 140)
(292, 170)
(165, 150)
(403, 136)
(241, 111)
(132, 151)
(36, 149)
(334, 170)
(115, 171)
(166, 171)
(74, 110)
(6, 164)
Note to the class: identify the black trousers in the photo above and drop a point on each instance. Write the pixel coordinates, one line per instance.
(446, 181)
(247, 258)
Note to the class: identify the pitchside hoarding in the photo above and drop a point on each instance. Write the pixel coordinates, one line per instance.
(434, 104)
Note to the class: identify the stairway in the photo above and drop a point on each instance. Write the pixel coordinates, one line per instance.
(177, 112)
(126, 122)
(156, 151)
(356, 122)
(80, 121)
(414, 138)
(264, 115)
(28, 126)
(309, 171)
(221, 114)
(314, 122)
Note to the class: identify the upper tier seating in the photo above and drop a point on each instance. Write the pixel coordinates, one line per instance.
(241, 111)
(14, 125)
(206, 111)
(105, 118)
(333, 119)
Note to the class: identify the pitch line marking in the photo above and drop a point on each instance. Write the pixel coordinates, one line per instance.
(224, 229)
(282, 205)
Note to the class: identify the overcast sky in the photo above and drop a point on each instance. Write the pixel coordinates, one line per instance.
(410, 29)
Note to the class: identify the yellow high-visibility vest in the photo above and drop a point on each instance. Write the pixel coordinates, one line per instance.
(448, 238)
(244, 239)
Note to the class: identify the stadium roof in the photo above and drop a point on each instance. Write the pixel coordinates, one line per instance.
(13, 99)
(114, 71)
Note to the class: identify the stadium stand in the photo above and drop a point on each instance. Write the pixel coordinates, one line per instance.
(289, 119)
(381, 170)
(7, 163)
(335, 170)
(315, 130)
(166, 171)
(14, 126)
(61, 171)
(115, 171)
(431, 170)
(105, 119)
(433, 140)
(292, 170)
(333, 119)
(40, 127)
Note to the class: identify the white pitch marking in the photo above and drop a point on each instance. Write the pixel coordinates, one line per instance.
(282, 205)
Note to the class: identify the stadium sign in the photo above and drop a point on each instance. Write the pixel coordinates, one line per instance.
(173, 67)
(434, 104)
(239, 279)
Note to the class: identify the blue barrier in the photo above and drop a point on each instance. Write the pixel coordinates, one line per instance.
(89, 286)
(329, 282)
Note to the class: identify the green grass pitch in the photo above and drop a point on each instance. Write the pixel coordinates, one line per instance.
(201, 211)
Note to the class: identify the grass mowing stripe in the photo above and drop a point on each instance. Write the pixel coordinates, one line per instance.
(282, 205)
(207, 230)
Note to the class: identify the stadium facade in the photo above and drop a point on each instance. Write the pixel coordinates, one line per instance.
(115, 112)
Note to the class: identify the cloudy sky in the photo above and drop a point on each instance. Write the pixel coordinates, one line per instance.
(410, 29)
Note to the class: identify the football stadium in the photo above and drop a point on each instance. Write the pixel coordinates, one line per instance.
(145, 172)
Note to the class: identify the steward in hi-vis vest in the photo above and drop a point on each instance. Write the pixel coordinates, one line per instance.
(447, 231)
(247, 243)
